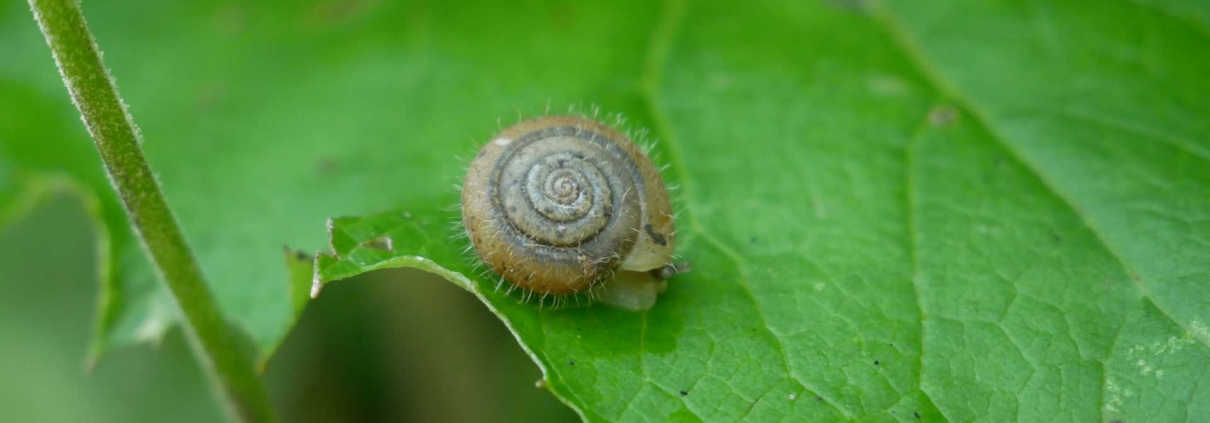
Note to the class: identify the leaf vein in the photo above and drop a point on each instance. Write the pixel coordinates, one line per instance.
(910, 49)
(1128, 127)
(662, 40)
(914, 249)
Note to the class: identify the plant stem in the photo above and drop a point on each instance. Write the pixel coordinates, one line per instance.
(95, 95)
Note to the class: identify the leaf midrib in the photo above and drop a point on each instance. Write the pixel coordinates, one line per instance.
(662, 40)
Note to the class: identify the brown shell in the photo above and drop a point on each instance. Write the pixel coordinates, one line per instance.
(556, 204)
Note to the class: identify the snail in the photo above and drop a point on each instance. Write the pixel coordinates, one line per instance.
(563, 205)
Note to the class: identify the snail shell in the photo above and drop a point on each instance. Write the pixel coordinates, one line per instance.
(559, 203)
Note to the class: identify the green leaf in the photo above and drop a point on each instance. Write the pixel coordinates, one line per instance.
(953, 210)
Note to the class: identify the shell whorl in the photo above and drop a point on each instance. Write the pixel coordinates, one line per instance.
(555, 204)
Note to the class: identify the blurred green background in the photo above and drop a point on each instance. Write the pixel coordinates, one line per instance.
(392, 346)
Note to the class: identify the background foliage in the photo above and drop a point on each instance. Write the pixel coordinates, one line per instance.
(991, 210)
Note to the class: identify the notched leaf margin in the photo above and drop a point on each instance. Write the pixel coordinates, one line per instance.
(29, 190)
(329, 267)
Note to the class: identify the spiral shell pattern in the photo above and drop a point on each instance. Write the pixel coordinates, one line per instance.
(557, 203)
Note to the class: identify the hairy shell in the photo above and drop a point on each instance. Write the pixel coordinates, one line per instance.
(559, 203)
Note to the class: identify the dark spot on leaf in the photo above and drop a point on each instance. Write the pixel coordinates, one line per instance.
(942, 116)
(571, 363)
(383, 243)
(211, 97)
(818, 398)
(1117, 421)
(916, 414)
(658, 238)
(327, 166)
(875, 362)
(301, 256)
(684, 393)
(752, 240)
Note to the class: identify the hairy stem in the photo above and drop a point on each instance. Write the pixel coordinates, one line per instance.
(95, 95)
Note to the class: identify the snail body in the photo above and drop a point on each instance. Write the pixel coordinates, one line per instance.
(560, 205)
